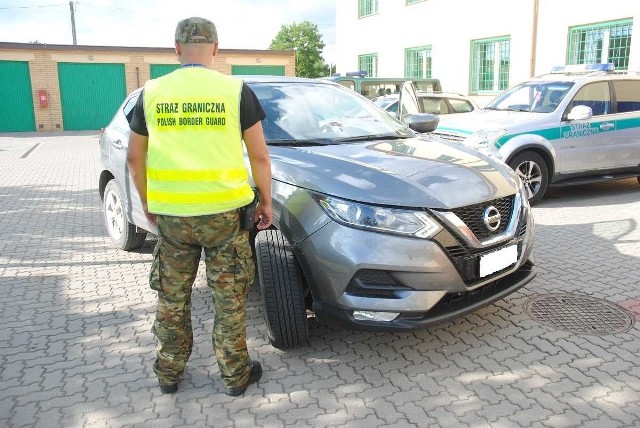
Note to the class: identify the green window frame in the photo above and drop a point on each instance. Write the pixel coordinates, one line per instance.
(369, 63)
(367, 8)
(601, 43)
(417, 62)
(490, 62)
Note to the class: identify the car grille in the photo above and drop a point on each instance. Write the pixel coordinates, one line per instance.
(468, 263)
(466, 259)
(449, 137)
(472, 216)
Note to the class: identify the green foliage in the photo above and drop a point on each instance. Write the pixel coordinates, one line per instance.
(307, 41)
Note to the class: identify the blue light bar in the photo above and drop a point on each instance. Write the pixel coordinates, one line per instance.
(361, 73)
(583, 68)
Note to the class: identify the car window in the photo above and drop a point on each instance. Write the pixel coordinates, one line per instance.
(387, 103)
(120, 121)
(378, 89)
(627, 95)
(434, 105)
(460, 106)
(594, 95)
(317, 111)
(393, 107)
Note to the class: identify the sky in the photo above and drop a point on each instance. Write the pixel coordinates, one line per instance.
(241, 24)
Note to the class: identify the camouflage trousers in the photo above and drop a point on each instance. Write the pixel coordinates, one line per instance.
(229, 270)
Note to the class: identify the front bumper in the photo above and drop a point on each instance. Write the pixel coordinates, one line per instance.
(450, 306)
(424, 281)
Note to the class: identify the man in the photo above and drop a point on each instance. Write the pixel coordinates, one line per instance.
(185, 157)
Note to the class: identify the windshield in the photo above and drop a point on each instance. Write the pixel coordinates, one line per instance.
(538, 97)
(320, 113)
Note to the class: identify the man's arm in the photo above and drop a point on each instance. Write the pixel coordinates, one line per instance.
(137, 161)
(261, 170)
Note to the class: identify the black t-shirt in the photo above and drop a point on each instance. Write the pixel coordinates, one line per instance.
(251, 112)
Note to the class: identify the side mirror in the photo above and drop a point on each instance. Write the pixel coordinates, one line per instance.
(422, 122)
(580, 113)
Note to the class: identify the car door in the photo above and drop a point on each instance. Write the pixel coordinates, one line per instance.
(117, 135)
(586, 145)
(626, 144)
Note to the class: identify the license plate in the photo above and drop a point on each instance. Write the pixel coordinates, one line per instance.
(498, 260)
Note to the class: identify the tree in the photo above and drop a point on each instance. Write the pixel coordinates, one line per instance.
(307, 41)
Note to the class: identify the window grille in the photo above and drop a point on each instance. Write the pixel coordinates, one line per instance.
(601, 43)
(367, 8)
(417, 62)
(490, 61)
(369, 63)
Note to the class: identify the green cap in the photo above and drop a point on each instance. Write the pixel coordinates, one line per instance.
(196, 30)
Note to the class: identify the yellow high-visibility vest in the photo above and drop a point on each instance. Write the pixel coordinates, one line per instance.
(195, 163)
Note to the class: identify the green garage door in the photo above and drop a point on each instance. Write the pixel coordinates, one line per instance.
(268, 70)
(90, 94)
(16, 108)
(158, 70)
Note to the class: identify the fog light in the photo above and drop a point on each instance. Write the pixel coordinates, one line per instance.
(375, 316)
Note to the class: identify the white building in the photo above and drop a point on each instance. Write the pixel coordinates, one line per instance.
(480, 48)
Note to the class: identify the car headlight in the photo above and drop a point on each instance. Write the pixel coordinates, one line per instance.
(485, 137)
(379, 219)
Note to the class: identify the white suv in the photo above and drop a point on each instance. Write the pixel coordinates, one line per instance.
(578, 124)
(431, 102)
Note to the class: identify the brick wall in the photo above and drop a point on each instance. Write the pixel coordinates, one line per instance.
(43, 65)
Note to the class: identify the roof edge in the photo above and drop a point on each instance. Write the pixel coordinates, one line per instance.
(46, 46)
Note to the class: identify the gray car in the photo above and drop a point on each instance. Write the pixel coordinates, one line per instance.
(374, 226)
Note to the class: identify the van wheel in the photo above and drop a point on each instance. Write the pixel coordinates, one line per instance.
(281, 285)
(533, 171)
(123, 234)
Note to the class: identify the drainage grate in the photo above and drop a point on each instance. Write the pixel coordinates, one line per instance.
(579, 314)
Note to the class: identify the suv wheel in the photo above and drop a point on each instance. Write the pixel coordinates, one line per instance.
(533, 171)
(123, 234)
(281, 285)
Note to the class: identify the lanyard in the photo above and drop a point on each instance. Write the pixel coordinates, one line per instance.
(193, 65)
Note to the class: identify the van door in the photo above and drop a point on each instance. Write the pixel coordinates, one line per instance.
(586, 145)
(626, 144)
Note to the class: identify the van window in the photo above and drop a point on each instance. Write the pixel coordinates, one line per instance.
(627, 95)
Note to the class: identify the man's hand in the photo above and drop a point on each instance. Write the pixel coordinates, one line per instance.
(262, 216)
(151, 217)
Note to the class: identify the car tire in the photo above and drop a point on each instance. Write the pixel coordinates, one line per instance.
(123, 234)
(281, 286)
(533, 171)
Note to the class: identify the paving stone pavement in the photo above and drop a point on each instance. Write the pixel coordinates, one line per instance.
(76, 346)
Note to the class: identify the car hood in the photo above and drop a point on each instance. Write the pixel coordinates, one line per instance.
(477, 120)
(418, 172)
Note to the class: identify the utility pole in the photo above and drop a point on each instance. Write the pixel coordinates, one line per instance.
(73, 22)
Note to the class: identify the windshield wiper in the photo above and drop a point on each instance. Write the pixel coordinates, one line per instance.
(300, 142)
(372, 137)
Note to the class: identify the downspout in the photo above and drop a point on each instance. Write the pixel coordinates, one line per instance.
(534, 38)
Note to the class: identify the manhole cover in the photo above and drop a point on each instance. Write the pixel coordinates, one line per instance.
(579, 314)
